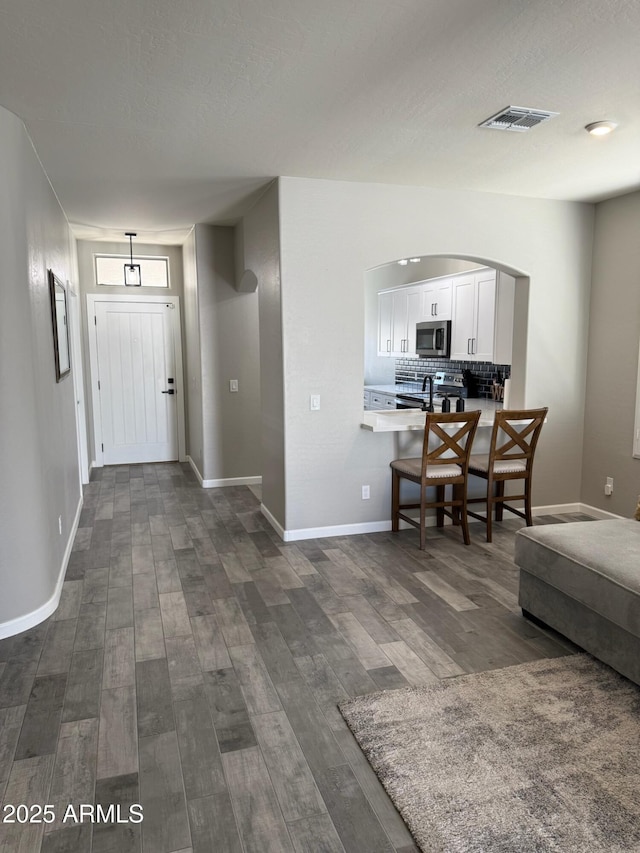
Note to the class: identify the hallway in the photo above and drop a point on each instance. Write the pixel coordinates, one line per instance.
(195, 662)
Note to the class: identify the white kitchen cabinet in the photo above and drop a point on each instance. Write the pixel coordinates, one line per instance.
(398, 312)
(436, 299)
(378, 400)
(473, 316)
(483, 344)
(463, 317)
(505, 306)
(385, 322)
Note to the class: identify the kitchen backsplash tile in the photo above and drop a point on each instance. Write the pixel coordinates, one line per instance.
(415, 369)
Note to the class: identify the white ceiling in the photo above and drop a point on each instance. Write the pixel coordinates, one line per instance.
(155, 114)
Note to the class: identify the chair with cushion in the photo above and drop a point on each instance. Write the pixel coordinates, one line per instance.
(445, 458)
(513, 444)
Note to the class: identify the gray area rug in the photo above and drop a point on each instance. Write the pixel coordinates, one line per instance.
(544, 756)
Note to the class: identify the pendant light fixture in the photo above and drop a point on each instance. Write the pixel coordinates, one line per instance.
(131, 271)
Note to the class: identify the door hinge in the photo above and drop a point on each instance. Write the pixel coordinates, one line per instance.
(102, 445)
(98, 384)
(95, 320)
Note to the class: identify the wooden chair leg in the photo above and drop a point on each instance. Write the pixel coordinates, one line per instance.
(499, 494)
(440, 509)
(423, 514)
(461, 491)
(457, 494)
(527, 501)
(489, 509)
(395, 501)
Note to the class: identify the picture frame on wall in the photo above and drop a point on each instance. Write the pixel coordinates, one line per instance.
(60, 323)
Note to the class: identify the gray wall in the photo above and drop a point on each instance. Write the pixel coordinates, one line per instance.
(38, 452)
(229, 349)
(192, 362)
(262, 257)
(87, 280)
(614, 335)
(331, 232)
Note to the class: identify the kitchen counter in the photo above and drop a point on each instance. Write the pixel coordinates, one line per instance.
(407, 420)
(402, 388)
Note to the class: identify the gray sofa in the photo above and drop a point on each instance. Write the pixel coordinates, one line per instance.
(583, 580)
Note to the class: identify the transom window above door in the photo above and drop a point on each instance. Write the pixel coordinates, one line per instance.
(109, 270)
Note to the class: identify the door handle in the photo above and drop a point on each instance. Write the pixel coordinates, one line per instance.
(170, 391)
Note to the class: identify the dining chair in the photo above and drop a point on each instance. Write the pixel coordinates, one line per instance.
(511, 453)
(446, 448)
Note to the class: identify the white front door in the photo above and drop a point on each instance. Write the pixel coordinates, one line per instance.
(137, 378)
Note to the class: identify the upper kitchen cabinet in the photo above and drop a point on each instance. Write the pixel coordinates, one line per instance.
(474, 316)
(385, 322)
(398, 312)
(479, 303)
(436, 299)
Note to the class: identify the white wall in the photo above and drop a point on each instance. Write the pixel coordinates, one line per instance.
(614, 336)
(331, 233)
(38, 451)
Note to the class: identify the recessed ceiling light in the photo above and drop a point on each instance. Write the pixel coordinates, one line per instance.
(600, 128)
(414, 260)
(403, 262)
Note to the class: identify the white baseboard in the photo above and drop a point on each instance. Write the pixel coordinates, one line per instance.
(232, 481)
(337, 530)
(227, 481)
(23, 623)
(431, 521)
(323, 532)
(555, 509)
(599, 513)
(273, 521)
(194, 468)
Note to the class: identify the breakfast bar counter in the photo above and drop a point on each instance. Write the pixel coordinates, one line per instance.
(408, 420)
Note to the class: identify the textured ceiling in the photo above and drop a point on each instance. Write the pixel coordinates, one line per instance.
(155, 114)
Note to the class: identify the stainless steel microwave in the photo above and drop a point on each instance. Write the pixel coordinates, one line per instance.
(433, 338)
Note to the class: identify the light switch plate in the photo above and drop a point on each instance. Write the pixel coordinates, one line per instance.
(233, 385)
(314, 402)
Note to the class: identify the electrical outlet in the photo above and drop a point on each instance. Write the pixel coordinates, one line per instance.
(233, 385)
(314, 402)
(608, 486)
(60, 525)
(366, 494)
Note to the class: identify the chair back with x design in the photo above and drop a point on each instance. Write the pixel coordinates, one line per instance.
(446, 445)
(515, 435)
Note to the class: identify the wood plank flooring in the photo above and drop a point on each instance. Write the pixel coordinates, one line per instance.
(195, 663)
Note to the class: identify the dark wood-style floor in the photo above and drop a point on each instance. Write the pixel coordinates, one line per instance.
(195, 662)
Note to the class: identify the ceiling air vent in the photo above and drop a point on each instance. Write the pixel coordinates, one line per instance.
(517, 118)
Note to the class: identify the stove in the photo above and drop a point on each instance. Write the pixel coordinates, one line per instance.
(445, 384)
(451, 384)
